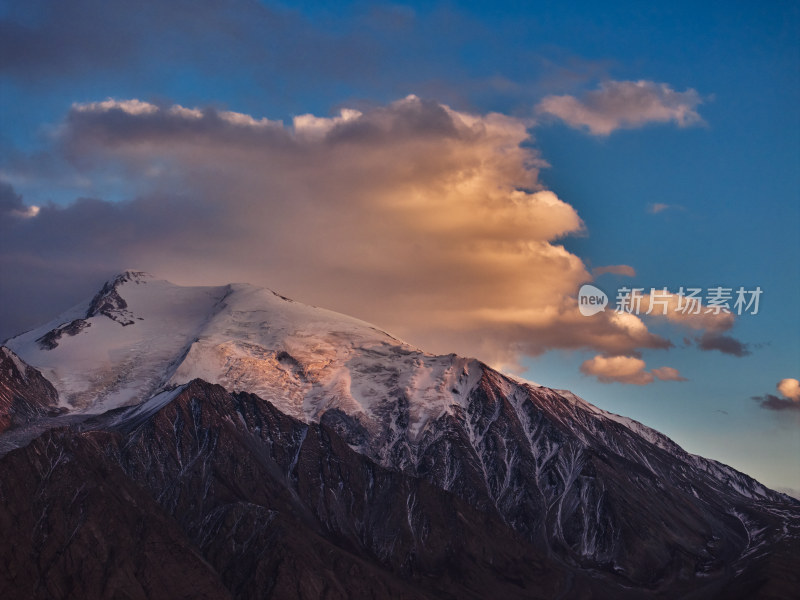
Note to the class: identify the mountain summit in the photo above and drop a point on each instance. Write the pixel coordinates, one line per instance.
(289, 451)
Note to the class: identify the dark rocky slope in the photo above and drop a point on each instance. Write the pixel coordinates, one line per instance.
(206, 494)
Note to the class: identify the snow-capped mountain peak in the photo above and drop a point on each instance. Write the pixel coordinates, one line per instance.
(113, 349)
(139, 334)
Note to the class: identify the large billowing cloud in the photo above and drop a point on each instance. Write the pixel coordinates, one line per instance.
(428, 222)
(624, 105)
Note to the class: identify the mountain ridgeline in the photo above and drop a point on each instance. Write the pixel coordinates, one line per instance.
(160, 441)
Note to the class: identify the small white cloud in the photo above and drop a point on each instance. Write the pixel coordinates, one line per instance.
(625, 105)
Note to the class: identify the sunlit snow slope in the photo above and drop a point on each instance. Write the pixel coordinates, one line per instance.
(139, 335)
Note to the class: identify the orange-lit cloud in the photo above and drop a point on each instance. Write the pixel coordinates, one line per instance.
(687, 309)
(624, 105)
(789, 388)
(429, 222)
(624, 270)
(659, 207)
(626, 369)
(668, 374)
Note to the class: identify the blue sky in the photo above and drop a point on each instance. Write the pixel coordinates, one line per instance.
(726, 176)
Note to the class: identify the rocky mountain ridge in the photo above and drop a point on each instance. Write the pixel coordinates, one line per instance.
(434, 475)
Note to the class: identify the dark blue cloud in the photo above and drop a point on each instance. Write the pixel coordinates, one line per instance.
(723, 343)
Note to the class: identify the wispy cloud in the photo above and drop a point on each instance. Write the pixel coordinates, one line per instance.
(624, 270)
(668, 374)
(624, 105)
(659, 207)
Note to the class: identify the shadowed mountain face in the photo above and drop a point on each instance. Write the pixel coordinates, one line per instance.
(361, 468)
(24, 393)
